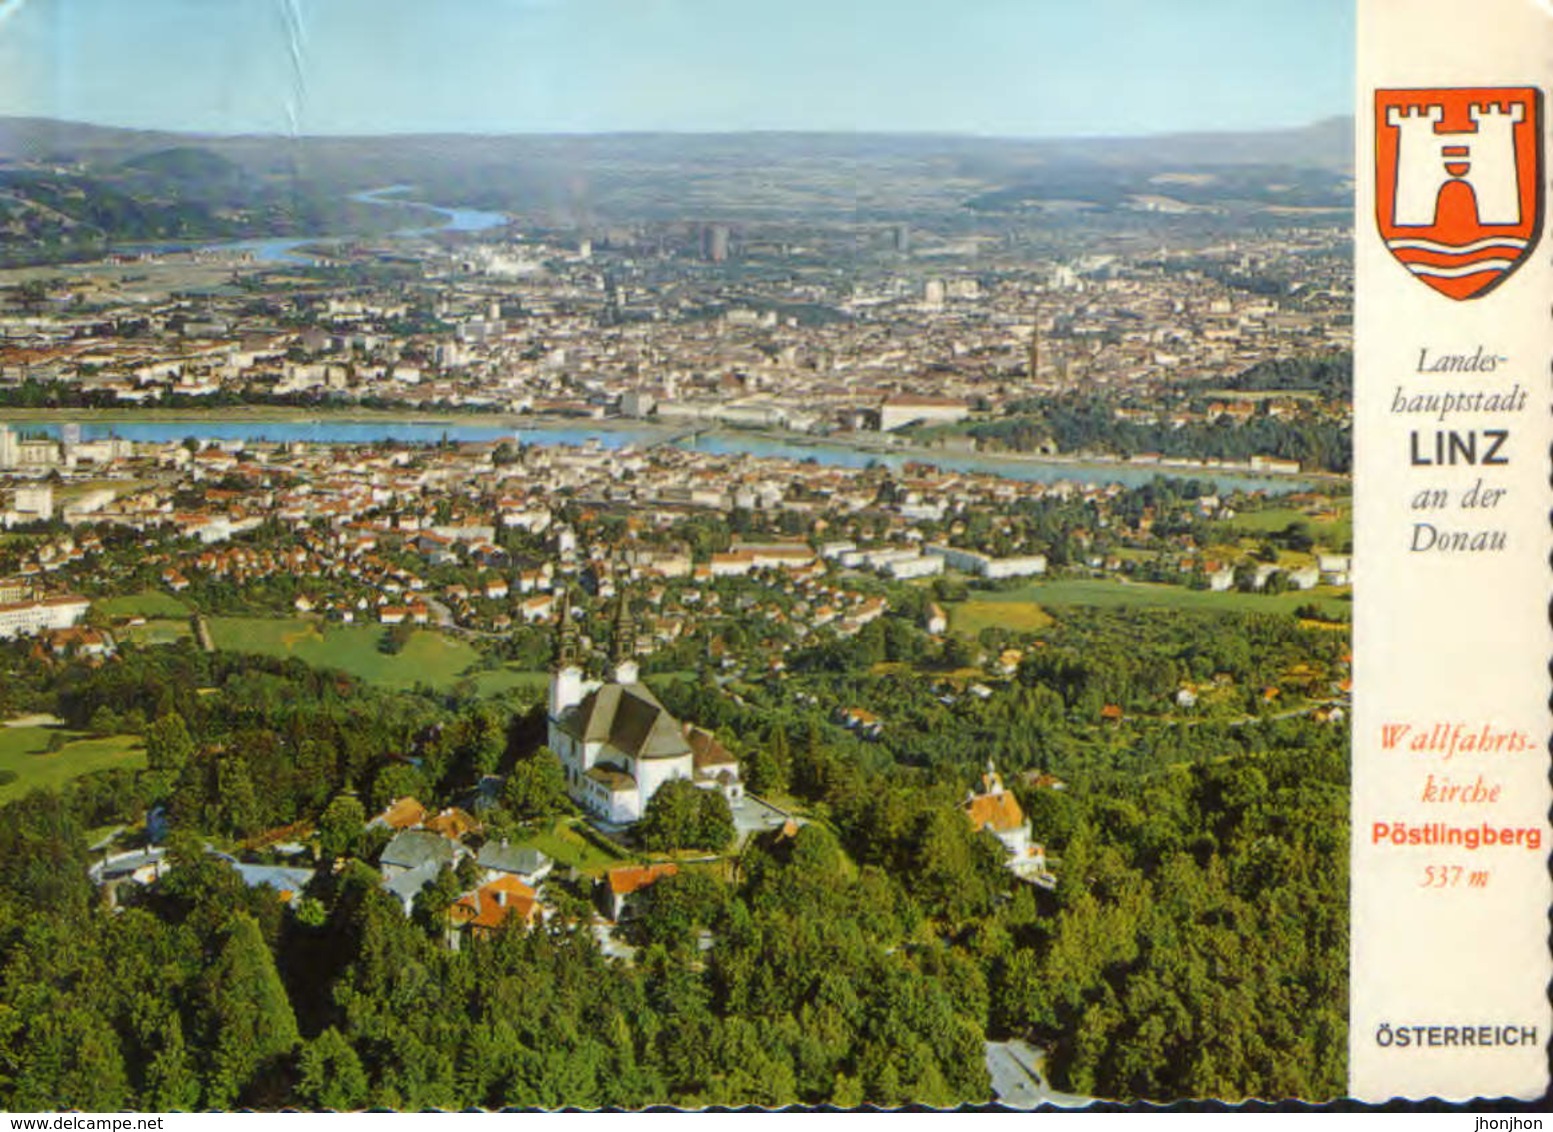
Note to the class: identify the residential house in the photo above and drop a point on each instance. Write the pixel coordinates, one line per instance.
(402, 813)
(996, 811)
(499, 859)
(621, 885)
(412, 860)
(503, 902)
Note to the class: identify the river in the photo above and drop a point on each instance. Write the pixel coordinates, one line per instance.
(718, 442)
(287, 249)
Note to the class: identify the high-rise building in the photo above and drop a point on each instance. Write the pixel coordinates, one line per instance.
(714, 242)
(8, 457)
(901, 235)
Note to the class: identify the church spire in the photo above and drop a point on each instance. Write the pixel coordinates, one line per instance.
(566, 686)
(566, 634)
(623, 647)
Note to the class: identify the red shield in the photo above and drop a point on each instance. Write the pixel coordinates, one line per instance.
(1458, 183)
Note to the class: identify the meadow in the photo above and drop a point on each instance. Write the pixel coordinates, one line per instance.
(428, 657)
(24, 752)
(148, 604)
(1027, 604)
(1330, 533)
(990, 612)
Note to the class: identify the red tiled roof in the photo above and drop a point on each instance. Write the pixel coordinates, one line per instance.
(489, 906)
(404, 813)
(632, 878)
(997, 812)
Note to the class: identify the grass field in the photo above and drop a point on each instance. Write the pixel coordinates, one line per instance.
(1331, 534)
(427, 658)
(24, 751)
(569, 849)
(501, 680)
(148, 604)
(1027, 600)
(157, 631)
(979, 613)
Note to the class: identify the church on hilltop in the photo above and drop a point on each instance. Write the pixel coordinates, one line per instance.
(616, 742)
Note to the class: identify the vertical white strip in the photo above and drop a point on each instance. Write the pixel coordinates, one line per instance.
(1450, 942)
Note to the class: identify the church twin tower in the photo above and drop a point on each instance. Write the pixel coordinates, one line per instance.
(567, 682)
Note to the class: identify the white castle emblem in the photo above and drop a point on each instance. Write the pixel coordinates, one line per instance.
(1482, 159)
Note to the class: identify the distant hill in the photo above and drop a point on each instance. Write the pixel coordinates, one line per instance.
(1328, 144)
(564, 180)
(184, 163)
(48, 140)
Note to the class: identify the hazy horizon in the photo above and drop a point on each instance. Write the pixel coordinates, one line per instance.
(925, 135)
(1026, 70)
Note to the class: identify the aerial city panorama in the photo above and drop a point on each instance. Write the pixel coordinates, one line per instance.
(600, 555)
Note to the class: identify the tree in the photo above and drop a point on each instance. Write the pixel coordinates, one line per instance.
(396, 780)
(958, 653)
(672, 816)
(392, 642)
(683, 816)
(762, 773)
(1297, 536)
(332, 1076)
(339, 827)
(483, 738)
(714, 821)
(675, 907)
(431, 904)
(766, 764)
(168, 745)
(536, 788)
(252, 1026)
(104, 721)
(171, 1082)
(239, 804)
(68, 1059)
(949, 864)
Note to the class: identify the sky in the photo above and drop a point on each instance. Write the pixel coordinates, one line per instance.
(1006, 68)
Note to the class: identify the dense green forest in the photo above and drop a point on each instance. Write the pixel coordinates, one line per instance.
(1195, 943)
(1085, 423)
(1330, 375)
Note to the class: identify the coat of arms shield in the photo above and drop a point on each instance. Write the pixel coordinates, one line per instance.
(1458, 180)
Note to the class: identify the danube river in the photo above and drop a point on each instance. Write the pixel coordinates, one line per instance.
(718, 442)
(288, 249)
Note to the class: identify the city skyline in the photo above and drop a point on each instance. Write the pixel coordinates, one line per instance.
(676, 66)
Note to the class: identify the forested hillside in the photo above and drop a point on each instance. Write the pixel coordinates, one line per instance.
(1195, 943)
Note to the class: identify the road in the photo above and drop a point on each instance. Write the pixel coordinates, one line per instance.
(1019, 1081)
(443, 615)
